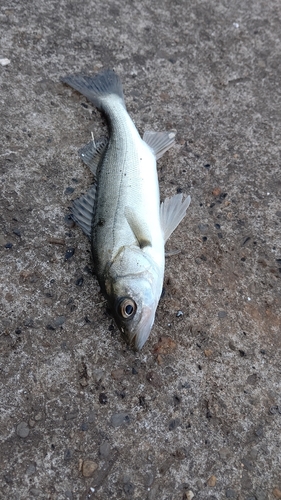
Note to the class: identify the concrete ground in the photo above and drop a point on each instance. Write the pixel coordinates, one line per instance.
(198, 413)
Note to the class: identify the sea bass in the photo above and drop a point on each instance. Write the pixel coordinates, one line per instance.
(121, 213)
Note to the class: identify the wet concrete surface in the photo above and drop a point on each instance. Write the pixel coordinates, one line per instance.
(197, 413)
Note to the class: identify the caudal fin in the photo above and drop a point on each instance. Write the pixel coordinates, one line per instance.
(96, 88)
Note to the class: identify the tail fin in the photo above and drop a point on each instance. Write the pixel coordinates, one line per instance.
(96, 88)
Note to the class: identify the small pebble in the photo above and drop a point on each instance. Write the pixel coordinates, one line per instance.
(230, 493)
(4, 61)
(80, 281)
(149, 479)
(88, 468)
(69, 253)
(174, 423)
(71, 414)
(222, 314)
(216, 191)
(154, 379)
(23, 430)
(50, 327)
(68, 454)
(179, 314)
(117, 374)
(29, 322)
(208, 352)
(17, 232)
(225, 453)
(2, 240)
(9, 245)
(260, 494)
(91, 417)
(69, 221)
(105, 449)
(103, 398)
(276, 493)
(84, 382)
(203, 228)
(129, 489)
(165, 345)
(60, 320)
(69, 190)
(212, 481)
(35, 492)
(31, 469)
(188, 495)
(119, 419)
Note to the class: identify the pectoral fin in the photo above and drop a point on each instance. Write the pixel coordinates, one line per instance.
(92, 152)
(138, 227)
(160, 142)
(82, 210)
(172, 211)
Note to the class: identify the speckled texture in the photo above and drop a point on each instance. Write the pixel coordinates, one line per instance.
(204, 407)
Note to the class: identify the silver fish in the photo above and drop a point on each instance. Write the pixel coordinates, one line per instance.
(121, 213)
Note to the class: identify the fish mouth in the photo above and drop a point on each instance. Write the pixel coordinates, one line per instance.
(140, 334)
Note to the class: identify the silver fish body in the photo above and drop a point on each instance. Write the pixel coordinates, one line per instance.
(121, 214)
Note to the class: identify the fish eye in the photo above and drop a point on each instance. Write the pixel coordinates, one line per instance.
(127, 308)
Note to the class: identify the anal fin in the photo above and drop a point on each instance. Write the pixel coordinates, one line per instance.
(172, 211)
(82, 210)
(92, 152)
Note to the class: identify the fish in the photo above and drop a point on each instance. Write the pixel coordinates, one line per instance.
(121, 213)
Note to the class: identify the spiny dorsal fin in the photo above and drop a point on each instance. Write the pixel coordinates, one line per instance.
(82, 210)
(172, 211)
(160, 142)
(92, 152)
(138, 227)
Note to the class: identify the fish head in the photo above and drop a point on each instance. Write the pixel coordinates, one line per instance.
(133, 286)
(133, 301)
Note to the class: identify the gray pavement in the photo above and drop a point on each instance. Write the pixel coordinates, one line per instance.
(198, 413)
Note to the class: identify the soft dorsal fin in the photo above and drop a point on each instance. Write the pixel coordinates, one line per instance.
(172, 211)
(160, 142)
(82, 210)
(139, 228)
(92, 152)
